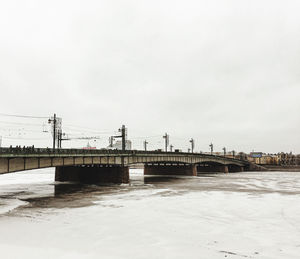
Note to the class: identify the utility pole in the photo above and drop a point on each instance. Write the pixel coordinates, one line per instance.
(145, 145)
(111, 141)
(166, 137)
(233, 153)
(53, 121)
(171, 148)
(211, 148)
(192, 145)
(123, 132)
(224, 149)
(54, 131)
(123, 137)
(59, 137)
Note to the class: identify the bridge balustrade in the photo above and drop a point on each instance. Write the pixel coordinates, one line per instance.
(31, 150)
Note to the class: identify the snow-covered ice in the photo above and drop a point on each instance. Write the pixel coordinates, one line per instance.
(243, 215)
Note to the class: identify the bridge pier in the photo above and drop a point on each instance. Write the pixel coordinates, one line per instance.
(92, 174)
(235, 168)
(161, 169)
(213, 169)
(224, 168)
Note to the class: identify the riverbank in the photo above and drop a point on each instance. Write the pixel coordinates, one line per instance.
(282, 168)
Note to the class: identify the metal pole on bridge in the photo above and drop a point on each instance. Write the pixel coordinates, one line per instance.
(211, 148)
(224, 149)
(123, 137)
(166, 137)
(54, 129)
(145, 145)
(111, 141)
(192, 145)
(123, 131)
(59, 137)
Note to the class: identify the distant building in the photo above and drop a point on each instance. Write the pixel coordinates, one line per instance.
(118, 145)
(260, 158)
(88, 146)
(288, 159)
(284, 159)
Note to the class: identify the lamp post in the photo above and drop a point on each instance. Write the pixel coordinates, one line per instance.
(123, 137)
(224, 149)
(166, 137)
(145, 145)
(211, 148)
(192, 145)
(53, 121)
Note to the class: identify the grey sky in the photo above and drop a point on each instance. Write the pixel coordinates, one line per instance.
(220, 71)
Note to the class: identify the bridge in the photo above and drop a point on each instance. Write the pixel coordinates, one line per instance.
(103, 165)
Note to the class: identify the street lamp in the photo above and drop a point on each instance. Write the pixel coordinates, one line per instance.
(211, 148)
(192, 145)
(166, 137)
(224, 149)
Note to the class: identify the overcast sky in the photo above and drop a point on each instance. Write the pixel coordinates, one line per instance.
(221, 71)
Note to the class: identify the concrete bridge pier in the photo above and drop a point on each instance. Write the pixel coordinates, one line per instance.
(213, 168)
(165, 169)
(224, 168)
(92, 174)
(235, 168)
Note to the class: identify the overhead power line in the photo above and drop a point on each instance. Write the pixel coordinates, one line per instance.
(18, 123)
(21, 138)
(143, 137)
(87, 131)
(87, 128)
(23, 116)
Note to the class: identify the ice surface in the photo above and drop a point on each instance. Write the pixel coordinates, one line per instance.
(244, 215)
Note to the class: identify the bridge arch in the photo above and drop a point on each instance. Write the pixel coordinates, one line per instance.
(218, 166)
(12, 160)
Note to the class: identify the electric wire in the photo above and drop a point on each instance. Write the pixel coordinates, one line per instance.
(21, 138)
(19, 123)
(72, 132)
(88, 129)
(24, 116)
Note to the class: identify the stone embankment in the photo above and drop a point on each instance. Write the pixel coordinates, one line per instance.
(289, 168)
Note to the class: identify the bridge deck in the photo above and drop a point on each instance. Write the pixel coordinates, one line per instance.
(19, 159)
(46, 152)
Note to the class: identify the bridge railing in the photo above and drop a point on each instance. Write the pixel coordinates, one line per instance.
(33, 150)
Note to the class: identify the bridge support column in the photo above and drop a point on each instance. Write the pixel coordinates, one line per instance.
(224, 169)
(235, 168)
(92, 174)
(213, 169)
(190, 170)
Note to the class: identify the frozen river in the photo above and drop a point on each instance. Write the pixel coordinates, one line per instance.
(241, 215)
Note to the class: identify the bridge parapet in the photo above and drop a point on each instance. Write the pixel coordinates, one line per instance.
(28, 151)
(20, 159)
